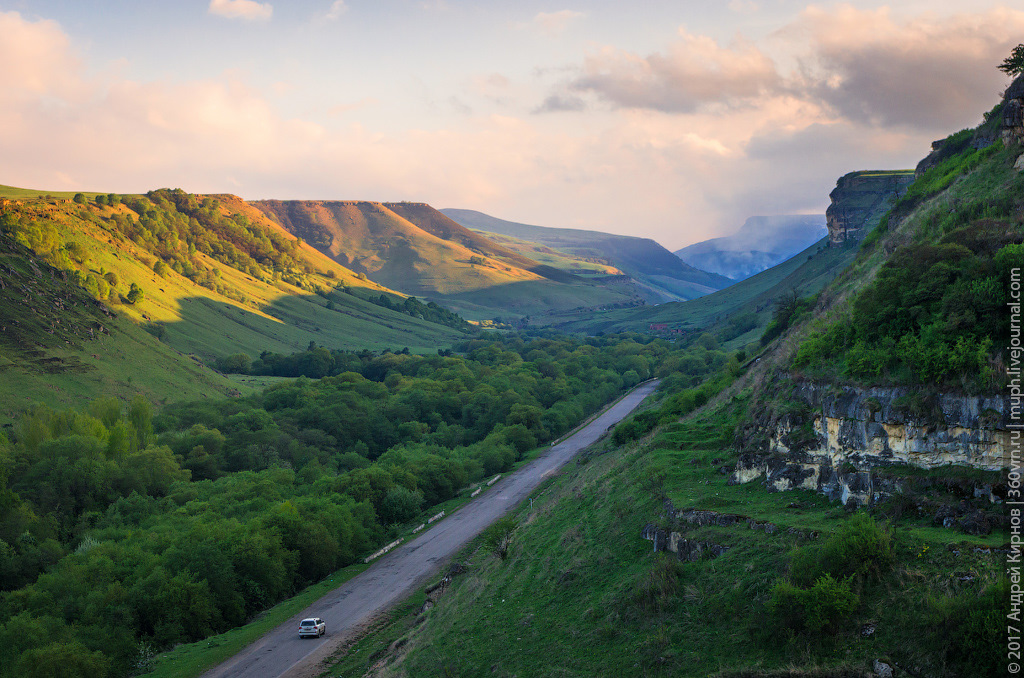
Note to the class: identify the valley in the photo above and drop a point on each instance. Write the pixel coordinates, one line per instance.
(481, 447)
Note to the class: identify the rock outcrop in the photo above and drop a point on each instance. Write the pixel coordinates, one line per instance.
(1012, 128)
(860, 200)
(835, 439)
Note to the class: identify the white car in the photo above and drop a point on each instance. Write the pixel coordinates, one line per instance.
(314, 626)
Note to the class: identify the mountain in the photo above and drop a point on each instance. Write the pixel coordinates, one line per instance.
(762, 242)
(651, 266)
(862, 198)
(414, 248)
(176, 280)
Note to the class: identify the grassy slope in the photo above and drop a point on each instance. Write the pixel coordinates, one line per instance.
(198, 323)
(641, 258)
(552, 257)
(806, 273)
(581, 593)
(58, 347)
(440, 260)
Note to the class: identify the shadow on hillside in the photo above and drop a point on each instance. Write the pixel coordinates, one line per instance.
(209, 328)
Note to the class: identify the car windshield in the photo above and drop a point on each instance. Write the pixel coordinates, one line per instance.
(308, 622)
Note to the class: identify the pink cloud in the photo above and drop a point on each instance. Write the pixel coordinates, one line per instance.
(241, 9)
(695, 71)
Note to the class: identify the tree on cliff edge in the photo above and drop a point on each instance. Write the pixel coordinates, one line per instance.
(1013, 65)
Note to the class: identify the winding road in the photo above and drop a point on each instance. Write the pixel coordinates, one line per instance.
(282, 653)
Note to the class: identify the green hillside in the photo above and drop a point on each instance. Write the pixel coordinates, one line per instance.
(805, 274)
(417, 250)
(61, 347)
(178, 280)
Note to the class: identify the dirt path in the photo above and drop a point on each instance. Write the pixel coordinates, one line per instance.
(396, 575)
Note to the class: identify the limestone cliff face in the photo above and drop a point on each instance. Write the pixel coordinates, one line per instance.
(860, 200)
(833, 439)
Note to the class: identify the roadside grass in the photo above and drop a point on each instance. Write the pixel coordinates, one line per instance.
(581, 594)
(192, 659)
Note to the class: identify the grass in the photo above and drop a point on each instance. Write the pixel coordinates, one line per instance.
(59, 348)
(581, 594)
(552, 257)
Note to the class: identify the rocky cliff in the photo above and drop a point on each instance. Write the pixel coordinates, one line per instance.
(836, 439)
(860, 200)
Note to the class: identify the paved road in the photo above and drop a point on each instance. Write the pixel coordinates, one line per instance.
(397, 574)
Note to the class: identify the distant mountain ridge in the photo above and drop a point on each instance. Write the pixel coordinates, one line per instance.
(413, 248)
(762, 242)
(663, 274)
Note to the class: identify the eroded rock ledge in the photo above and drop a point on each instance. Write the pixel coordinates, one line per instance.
(836, 440)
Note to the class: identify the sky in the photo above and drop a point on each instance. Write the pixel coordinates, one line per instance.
(669, 119)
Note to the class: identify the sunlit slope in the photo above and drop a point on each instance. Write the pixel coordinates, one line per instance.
(60, 347)
(553, 257)
(413, 248)
(641, 258)
(181, 319)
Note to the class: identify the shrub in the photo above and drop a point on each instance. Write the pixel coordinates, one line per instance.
(238, 363)
(860, 548)
(498, 537)
(817, 609)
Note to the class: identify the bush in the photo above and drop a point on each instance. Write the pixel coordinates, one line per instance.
(860, 548)
(817, 609)
(498, 537)
(238, 363)
(400, 504)
(135, 295)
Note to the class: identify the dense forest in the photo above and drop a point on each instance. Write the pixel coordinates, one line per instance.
(123, 532)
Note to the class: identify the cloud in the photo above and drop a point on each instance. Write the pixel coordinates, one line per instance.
(920, 71)
(692, 140)
(241, 9)
(338, 7)
(744, 6)
(553, 24)
(695, 71)
(561, 102)
(38, 57)
(868, 66)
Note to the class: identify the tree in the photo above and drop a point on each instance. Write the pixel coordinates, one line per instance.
(135, 294)
(79, 198)
(1013, 65)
